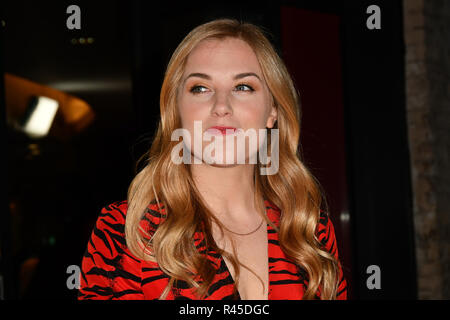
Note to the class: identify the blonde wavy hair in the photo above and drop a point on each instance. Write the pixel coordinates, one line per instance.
(293, 189)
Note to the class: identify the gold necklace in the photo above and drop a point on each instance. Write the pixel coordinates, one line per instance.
(245, 234)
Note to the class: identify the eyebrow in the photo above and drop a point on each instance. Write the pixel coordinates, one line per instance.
(236, 77)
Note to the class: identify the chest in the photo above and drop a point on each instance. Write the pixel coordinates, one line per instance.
(252, 253)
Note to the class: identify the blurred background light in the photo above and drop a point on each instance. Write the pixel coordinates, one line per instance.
(41, 110)
(40, 119)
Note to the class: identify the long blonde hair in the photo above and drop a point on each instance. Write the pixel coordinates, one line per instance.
(292, 189)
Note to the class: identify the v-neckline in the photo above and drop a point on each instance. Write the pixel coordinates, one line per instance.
(267, 206)
(222, 260)
(273, 214)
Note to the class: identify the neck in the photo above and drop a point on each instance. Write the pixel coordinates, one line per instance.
(228, 191)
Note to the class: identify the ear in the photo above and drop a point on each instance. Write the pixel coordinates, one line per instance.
(272, 118)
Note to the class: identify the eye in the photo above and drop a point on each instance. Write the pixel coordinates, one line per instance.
(198, 89)
(244, 87)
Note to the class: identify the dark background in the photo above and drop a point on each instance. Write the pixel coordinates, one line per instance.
(354, 138)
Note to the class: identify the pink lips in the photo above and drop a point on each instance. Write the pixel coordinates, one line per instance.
(222, 129)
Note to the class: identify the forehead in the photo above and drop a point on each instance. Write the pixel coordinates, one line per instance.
(228, 55)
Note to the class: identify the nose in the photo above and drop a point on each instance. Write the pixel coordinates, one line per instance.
(221, 106)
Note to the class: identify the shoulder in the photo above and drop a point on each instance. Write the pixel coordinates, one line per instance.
(114, 212)
(325, 233)
(108, 234)
(153, 216)
(112, 218)
(327, 237)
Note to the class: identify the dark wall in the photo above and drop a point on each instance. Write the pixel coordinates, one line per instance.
(377, 151)
(57, 188)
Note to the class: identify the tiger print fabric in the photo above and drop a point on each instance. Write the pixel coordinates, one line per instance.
(110, 271)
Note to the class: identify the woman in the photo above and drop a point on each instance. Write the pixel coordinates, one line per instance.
(195, 228)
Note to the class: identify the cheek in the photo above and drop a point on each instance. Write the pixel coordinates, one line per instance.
(189, 112)
(256, 113)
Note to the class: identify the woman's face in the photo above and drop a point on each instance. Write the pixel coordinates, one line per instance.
(223, 87)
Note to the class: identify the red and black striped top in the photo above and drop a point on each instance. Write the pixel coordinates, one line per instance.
(110, 271)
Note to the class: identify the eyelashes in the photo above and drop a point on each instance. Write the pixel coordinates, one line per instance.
(196, 89)
(245, 85)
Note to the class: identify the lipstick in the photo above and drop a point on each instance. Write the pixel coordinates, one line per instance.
(224, 130)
